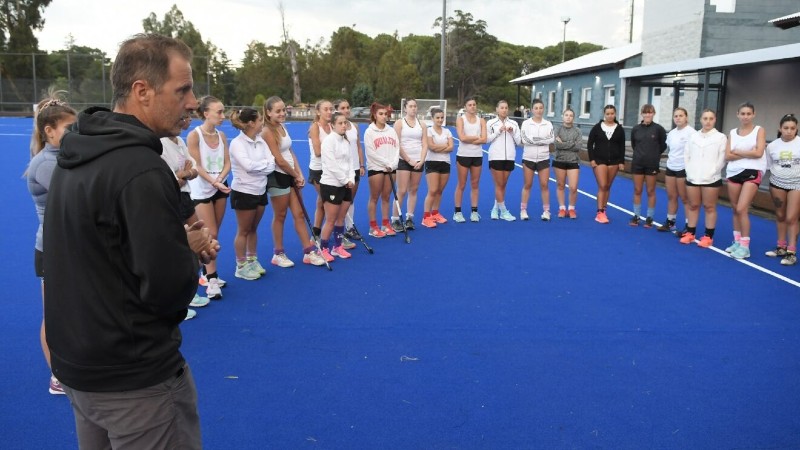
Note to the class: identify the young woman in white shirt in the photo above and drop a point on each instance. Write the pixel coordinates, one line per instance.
(746, 165)
(675, 174)
(281, 184)
(704, 158)
(208, 146)
(471, 131)
(319, 129)
(336, 187)
(537, 134)
(251, 164)
(437, 168)
(783, 162)
(359, 169)
(503, 137)
(413, 134)
(382, 148)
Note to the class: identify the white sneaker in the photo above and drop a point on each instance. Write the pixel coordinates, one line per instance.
(199, 302)
(281, 260)
(474, 217)
(313, 258)
(459, 217)
(256, 266)
(213, 291)
(507, 216)
(495, 214)
(190, 314)
(523, 214)
(546, 215)
(245, 272)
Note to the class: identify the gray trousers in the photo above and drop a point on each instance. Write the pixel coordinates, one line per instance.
(163, 416)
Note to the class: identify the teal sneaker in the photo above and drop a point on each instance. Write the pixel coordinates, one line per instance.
(732, 247)
(741, 252)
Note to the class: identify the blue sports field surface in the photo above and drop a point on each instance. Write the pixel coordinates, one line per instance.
(563, 334)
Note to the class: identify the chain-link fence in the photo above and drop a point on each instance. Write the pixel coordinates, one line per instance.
(26, 78)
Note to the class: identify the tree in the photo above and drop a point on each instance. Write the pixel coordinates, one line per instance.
(18, 20)
(291, 51)
(362, 95)
(468, 49)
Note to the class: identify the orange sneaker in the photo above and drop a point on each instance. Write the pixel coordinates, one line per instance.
(388, 230)
(687, 238)
(705, 242)
(562, 213)
(429, 222)
(573, 214)
(601, 217)
(439, 218)
(376, 232)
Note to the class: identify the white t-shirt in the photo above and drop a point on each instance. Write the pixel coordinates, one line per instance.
(176, 155)
(439, 139)
(783, 160)
(676, 142)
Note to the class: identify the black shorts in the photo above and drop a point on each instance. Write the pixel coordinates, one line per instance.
(506, 165)
(565, 165)
(185, 206)
(536, 166)
(469, 161)
(358, 176)
(637, 169)
(38, 263)
(217, 195)
(314, 176)
(781, 188)
(335, 194)
(279, 180)
(717, 183)
(609, 162)
(442, 167)
(671, 173)
(378, 172)
(244, 202)
(403, 165)
(747, 176)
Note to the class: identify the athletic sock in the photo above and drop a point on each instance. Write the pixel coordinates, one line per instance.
(409, 216)
(474, 209)
(436, 211)
(501, 206)
(373, 224)
(394, 218)
(212, 275)
(386, 223)
(651, 212)
(744, 242)
(425, 214)
(710, 232)
(523, 207)
(309, 249)
(672, 217)
(546, 207)
(325, 243)
(278, 251)
(782, 244)
(791, 248)
(637, 210)
(737, 236)
(691, 230)
(571, 207)
(338, 231)
(317, 231)
(240, 262)
(562, 207)
(458, 209)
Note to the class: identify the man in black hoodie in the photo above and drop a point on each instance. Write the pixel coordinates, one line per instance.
(121, 267)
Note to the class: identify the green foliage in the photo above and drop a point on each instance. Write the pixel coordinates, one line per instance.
(259, 101)
(362, 95)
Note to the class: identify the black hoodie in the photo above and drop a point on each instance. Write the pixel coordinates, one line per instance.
(120, 273)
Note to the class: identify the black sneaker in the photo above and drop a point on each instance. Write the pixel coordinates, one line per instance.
(634, 222)
(668, 225)
(397, 226)
(409, 223)
(648, 223)
(352, 234)
(777, 252)
(679, 233)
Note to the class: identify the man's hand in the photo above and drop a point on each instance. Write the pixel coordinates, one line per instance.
(201, 243)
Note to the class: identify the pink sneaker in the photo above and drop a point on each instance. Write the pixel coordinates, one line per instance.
(439, 218)
(340, 252)
(327, 255)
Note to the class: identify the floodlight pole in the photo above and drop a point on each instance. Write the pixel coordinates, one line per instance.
(441, 49)
(566, 20)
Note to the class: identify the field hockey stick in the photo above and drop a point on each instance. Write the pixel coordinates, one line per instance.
(310, 228)
(361, 238)
(399, 212)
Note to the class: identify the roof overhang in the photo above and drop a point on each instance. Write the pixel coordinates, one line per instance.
(586, 63)
(786, 22)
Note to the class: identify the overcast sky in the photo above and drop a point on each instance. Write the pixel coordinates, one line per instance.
(232, 24)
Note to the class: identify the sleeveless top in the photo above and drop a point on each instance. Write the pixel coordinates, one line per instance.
(212, 160)
(411, 139)
(470, 129)
(285, 146)
(352, 136)
(315, 162)
(746, 142)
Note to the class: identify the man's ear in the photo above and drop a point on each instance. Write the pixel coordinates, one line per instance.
(141, 92)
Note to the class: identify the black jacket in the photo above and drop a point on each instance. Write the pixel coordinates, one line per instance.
(120, 273)
(601, 148)
(648, 143)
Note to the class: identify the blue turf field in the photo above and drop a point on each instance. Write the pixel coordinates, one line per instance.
(565, 334)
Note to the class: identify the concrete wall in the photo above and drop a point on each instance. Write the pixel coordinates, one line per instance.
(747, 28)
(672, 30)
(771, 88)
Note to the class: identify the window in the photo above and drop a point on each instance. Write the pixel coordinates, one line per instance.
(610, 95)
(551, 103)
(586, 102)
(539, 95)
(567, 99)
